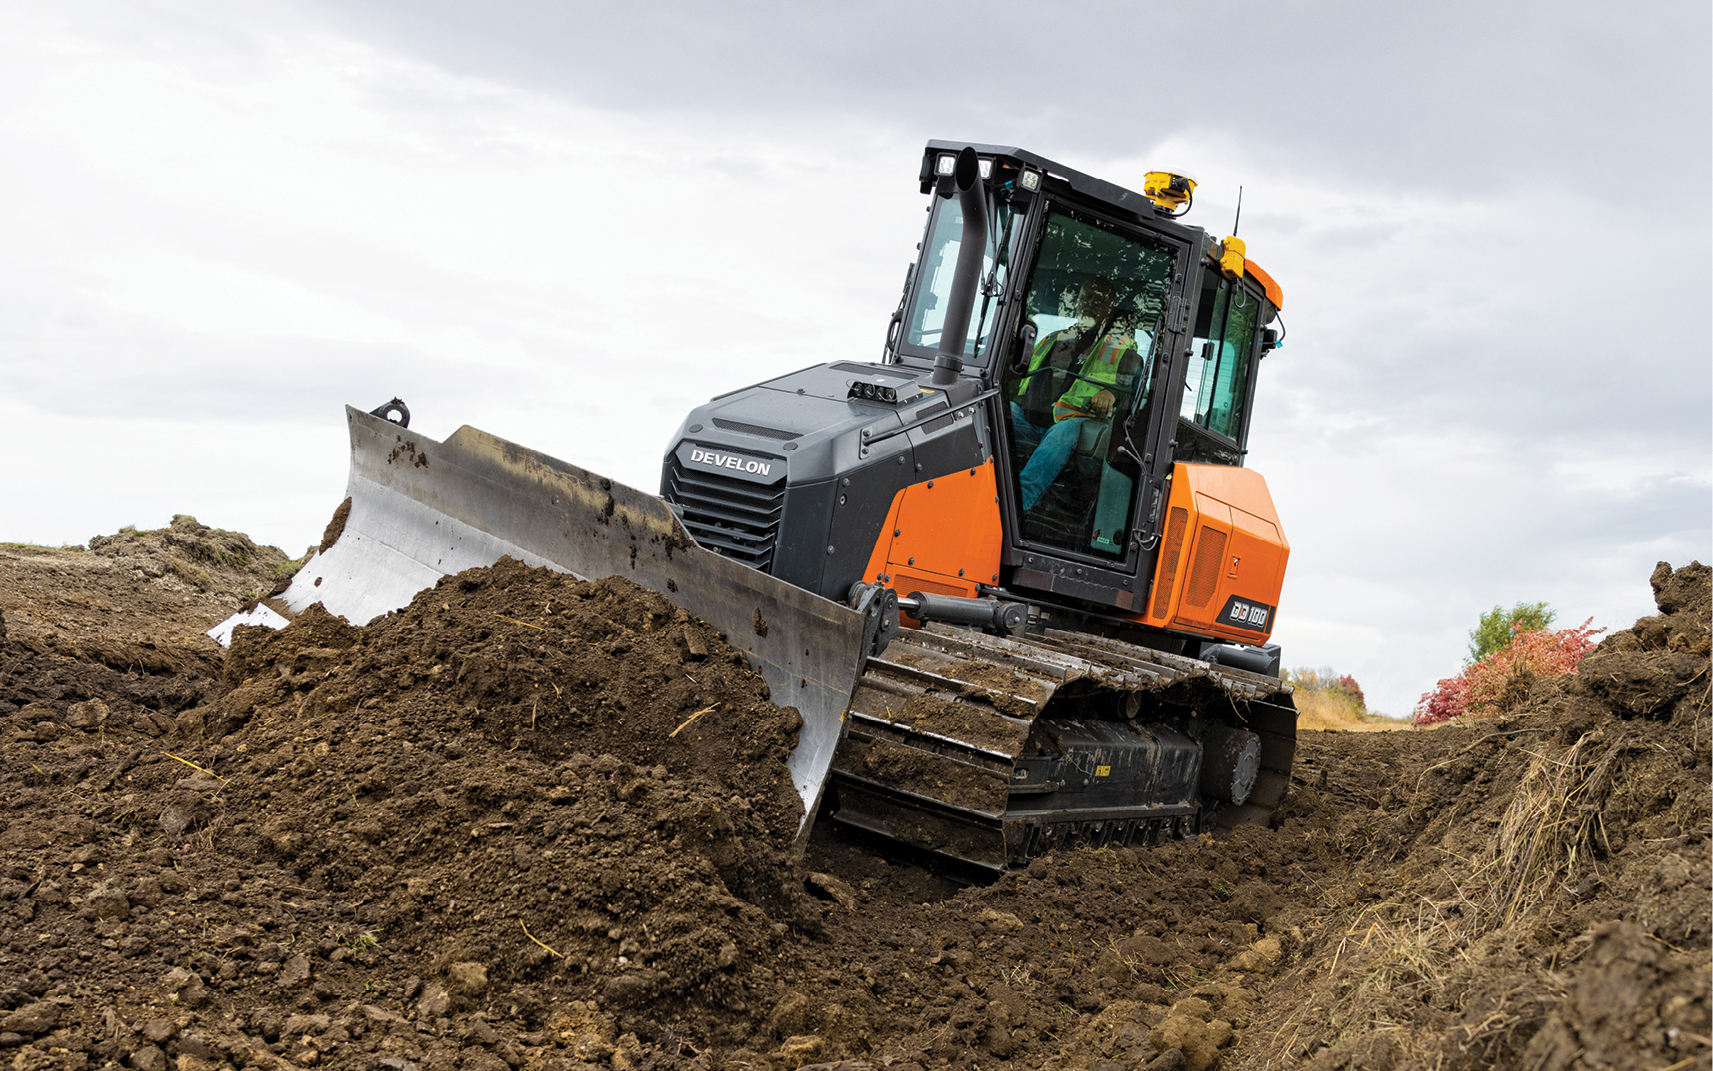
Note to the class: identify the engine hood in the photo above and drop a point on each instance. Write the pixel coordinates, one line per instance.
(806, 426)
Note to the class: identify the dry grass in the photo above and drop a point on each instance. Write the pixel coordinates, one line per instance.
(1543, 838)
(1334, 710)
(1398, 954)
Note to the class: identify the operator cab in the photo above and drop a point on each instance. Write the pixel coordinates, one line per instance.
(1109, 342)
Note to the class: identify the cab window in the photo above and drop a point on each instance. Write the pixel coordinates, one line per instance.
(1224, 342)
(938, 266)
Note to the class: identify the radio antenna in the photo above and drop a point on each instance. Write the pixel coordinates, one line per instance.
(1239, 218)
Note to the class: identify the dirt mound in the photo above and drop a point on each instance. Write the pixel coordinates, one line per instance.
(568, 783)
(1531, 891)
(135, 600)
(116, 632)
(530, 821)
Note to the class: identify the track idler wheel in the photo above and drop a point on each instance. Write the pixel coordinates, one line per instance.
(1230, 761)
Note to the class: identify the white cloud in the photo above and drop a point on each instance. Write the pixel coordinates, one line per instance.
(226, 231)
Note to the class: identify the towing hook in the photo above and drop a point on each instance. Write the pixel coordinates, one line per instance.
(385, 412)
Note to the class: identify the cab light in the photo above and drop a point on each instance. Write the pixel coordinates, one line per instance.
(877, 392)
(946, 164)
(1031, 180)
(1231, 257)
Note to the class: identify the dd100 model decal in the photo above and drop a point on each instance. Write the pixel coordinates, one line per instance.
(1241, 613)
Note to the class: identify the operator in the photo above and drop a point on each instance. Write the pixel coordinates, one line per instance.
(1100, 347)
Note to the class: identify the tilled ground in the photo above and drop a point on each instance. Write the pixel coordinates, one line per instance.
(528, 821)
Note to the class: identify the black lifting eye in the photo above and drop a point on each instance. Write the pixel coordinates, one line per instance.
(388, 411)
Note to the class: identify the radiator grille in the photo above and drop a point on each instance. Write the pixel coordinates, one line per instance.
(756, 429)
(1204, 577)
(732, 517)
(1175, 522)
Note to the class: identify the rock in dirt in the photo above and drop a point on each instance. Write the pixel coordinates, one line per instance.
(294, 972)
(36, 1018)
(831, 888)
(434, 1003)
(468, 978)
(305, 1024)
(87, 714)
(149, 1058)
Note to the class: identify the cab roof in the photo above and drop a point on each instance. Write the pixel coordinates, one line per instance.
(1126, 201)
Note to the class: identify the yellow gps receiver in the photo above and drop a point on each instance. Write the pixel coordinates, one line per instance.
(1169, 190)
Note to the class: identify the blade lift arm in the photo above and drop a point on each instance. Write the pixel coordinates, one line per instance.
(881, 607)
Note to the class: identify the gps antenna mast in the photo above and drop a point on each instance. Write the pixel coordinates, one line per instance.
(1239, 218)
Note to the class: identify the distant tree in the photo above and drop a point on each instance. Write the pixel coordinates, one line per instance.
(1347, 684)
(1499, 626)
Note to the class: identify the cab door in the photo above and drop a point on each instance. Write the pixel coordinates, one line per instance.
(1076, 407)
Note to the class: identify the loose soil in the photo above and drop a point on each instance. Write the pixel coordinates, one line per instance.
(532, 822)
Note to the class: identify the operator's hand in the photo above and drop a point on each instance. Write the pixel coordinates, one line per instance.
(1101, 404)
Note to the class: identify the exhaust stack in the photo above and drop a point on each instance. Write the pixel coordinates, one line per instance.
(949, 360)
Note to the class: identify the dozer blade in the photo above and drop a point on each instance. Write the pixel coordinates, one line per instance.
(422, 509)
(989, 750)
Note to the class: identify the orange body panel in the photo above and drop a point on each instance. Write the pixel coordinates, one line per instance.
(942, 536)
(1222, 556)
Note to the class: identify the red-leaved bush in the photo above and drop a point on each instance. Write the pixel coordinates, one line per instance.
(1347, 684)
(1481, 688)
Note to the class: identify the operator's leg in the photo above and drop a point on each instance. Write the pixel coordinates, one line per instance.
(1022, 430)
(1049, 460)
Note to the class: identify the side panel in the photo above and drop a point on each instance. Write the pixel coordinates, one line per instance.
(1223, 556)
(942, 536)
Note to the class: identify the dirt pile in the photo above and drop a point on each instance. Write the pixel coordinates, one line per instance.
(528, 821)
(429, 814)
(1531, 891)
(115, 632)
(520, 754)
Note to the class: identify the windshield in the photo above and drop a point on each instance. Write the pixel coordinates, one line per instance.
(939, 263)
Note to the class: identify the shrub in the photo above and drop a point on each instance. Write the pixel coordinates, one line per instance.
(1500, 680)
(1499, 626)
(1326, 699)
(1347, 684)
(1329, 681)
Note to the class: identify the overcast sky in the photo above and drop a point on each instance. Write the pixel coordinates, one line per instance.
(569, 223)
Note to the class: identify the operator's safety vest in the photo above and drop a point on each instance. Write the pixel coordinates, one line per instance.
(1101, 364)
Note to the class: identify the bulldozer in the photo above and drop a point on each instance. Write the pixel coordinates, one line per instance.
(1013, 574)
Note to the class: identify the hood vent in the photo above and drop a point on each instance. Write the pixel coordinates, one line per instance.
(756, 429)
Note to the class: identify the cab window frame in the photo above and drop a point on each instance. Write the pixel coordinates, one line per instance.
(1218, 447)
(991, 344)
(1146, 403)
